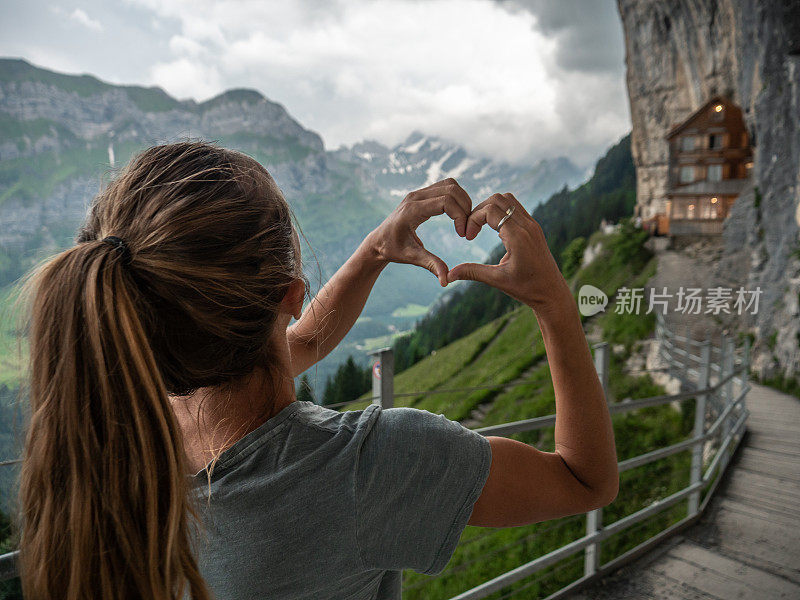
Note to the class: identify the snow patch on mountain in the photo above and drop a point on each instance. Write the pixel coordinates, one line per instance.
(434, 171)
(421, 160)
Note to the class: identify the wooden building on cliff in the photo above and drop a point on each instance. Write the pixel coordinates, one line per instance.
(710, 160)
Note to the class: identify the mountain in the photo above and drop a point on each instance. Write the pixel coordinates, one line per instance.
(421, 160)
(62, 135)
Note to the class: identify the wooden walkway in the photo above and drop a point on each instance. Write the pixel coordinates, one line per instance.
(747, 544)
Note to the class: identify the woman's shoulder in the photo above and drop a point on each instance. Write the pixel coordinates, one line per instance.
(379, 425)
(400, 417)
(333, 421)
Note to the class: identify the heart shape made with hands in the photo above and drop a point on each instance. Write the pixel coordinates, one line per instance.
(402, 244)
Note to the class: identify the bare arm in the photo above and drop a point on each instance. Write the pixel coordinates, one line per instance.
(334, 310)
(526, 485)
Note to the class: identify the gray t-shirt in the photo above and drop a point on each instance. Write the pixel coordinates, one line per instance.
(318, 504)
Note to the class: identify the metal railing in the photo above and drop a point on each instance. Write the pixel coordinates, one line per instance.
(715, 377)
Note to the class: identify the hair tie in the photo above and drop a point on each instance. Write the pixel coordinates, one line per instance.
(121, 246)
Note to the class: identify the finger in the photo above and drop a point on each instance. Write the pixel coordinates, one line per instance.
(427, 260)
(433, 189)
(525, 219)
(443, 183)
(511, 200)
(497, 199)
(489, 274)
(443, 204)
(488, 213)
(456, 191)
(449, 186)
(461, 196)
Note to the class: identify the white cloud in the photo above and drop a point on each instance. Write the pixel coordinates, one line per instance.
(196, 77)
(79, 16)
(513, 79)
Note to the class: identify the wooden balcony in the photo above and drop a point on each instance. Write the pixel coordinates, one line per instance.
(680, 227)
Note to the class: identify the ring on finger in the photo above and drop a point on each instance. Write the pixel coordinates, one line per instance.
(509, 212)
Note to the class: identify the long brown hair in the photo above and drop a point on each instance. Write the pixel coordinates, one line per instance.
(106, 509)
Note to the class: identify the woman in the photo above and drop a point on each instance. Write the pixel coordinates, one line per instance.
(162, 395)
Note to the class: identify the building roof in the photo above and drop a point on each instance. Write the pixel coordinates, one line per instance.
(714, 100)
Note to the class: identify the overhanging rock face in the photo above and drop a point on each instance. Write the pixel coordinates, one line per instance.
(679, 54)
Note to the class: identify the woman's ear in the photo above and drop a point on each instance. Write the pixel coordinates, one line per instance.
(292, 302)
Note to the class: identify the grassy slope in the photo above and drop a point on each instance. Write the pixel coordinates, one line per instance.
(508, 349)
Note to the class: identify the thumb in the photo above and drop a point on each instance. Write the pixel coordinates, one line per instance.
(474, 272)
(434, 264)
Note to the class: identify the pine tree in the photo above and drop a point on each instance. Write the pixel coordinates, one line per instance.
(348, 383)
(305, 392)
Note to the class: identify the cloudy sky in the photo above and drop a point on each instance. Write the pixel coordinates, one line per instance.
(514, 79)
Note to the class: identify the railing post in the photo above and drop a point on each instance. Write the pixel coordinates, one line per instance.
(594, 518)
(745, 368)
(719, 397)
(383, 377)
(728, 396)
(601, 364)
(728, 366)
(696, 473)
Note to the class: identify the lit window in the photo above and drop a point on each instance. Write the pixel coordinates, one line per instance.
(715, 209)
(707, 208)
(714, 173)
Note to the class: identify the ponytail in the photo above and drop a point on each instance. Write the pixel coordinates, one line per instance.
(104, 491)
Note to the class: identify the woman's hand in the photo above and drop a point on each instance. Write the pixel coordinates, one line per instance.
(528, 271)
(396, 240)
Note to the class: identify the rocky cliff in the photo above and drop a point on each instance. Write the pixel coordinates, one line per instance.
(678, 54)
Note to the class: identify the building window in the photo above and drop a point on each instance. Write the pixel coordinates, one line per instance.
(714, 173)
(716, 208)
(715, 141)
(687, 143)
(687, 174)
(708, 208)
